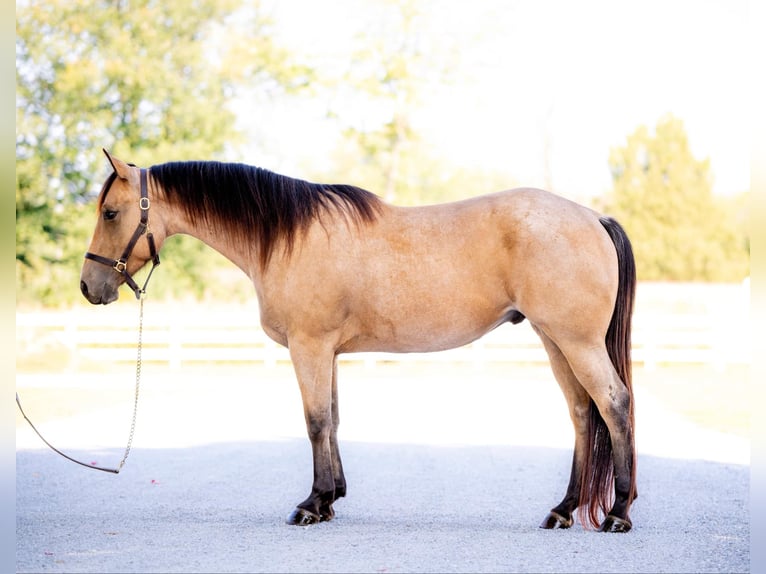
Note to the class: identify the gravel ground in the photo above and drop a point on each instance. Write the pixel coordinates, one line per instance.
(458, 483)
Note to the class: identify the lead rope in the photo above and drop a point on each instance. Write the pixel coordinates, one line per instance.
(135, 404)
(138, 377)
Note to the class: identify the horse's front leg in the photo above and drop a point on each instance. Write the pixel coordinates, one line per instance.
(314, 368)
(337, 465)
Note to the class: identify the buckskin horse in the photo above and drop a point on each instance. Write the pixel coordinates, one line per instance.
(338, 270)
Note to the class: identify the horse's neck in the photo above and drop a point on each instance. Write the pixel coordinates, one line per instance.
(215, 237)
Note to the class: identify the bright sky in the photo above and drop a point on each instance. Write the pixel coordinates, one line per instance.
(579, 75)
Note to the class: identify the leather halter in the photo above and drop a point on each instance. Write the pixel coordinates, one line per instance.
(121, 265)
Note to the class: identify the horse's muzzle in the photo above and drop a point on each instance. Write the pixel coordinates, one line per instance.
(106, 296)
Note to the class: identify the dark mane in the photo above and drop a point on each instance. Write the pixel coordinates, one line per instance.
(105, 188)
(261, 208)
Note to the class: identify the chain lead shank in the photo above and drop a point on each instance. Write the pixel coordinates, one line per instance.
(135, 404)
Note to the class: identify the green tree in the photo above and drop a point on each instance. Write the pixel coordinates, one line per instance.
(397, 64)
(388, 75)
(150, 81)
(663, 196)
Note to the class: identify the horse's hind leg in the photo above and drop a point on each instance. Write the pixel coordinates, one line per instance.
(613, 400)
(315, 370)
(578, 401)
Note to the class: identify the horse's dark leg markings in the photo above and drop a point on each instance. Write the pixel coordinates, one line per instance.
(337, 465)
(561, 516)
(597, 375)
(314, 370)
(622, 452)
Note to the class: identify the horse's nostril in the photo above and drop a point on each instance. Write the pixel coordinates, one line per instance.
(84, 288)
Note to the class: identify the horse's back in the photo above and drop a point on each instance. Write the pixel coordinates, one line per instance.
(516, 234)
(435, 277)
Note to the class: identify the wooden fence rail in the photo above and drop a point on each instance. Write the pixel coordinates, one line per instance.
(182, 336)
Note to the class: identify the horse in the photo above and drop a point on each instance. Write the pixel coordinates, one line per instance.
(338, 270)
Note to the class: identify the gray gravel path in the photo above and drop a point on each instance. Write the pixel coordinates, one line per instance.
(431, 507)
(220, 508)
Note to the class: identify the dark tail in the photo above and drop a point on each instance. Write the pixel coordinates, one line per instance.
(597, 487)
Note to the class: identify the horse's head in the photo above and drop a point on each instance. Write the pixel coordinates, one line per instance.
(121, 243)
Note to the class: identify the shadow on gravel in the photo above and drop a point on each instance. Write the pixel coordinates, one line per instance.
(221, 508)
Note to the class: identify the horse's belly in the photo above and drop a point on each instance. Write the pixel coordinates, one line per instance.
(419, 334)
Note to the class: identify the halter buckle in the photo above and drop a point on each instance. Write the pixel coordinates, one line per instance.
(143, 203)
(120, 266)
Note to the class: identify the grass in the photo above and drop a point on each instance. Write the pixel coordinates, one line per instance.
(718, 400)
(46, 404)
(714, 399)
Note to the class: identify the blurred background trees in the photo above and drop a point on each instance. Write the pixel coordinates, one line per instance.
(663, 196)
(392, 73)
(154, 81)
(148, 80)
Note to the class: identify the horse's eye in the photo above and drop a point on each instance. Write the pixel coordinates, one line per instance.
(109, 214)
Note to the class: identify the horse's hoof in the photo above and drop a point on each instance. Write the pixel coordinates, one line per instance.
(614, 524)
(555, 520)
(327, 514)
(302, 517)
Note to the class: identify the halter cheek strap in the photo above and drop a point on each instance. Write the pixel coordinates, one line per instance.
(121, 265)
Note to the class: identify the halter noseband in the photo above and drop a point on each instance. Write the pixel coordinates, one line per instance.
(121, 265)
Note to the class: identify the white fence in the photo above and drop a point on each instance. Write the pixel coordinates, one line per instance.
(693, 324)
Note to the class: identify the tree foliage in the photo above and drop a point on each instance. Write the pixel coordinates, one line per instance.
(663, 196)
(150, 81)
(389, 73)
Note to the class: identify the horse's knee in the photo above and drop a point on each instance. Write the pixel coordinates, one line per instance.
(319, 427)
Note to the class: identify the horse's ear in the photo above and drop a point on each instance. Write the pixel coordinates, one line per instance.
(120, 167)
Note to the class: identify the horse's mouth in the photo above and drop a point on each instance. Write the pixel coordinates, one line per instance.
(106, 295)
